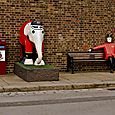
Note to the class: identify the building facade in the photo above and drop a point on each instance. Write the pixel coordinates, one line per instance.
(70, 25)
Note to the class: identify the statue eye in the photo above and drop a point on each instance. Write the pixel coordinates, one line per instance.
(33, 31)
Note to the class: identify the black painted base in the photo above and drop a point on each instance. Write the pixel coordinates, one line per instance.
(36, 73)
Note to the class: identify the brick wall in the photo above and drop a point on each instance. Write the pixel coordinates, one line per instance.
(70, 25)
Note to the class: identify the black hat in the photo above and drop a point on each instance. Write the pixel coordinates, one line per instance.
(36, 23)
(109, 35)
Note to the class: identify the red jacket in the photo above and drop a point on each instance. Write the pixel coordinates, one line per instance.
(109, 49)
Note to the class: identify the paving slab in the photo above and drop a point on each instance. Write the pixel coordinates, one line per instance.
(105, 76)
(2, 82)
(12, 78)
(79, 78)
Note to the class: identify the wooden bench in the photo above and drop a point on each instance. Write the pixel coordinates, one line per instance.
(74, 57)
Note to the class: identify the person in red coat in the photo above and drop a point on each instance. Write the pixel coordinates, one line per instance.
(109, 50)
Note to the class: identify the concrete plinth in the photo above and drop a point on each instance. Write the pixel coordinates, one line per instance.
(36, 73)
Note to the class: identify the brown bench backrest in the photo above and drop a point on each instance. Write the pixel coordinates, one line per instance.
(86, 55)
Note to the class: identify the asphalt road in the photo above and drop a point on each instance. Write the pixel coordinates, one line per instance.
(74, 102)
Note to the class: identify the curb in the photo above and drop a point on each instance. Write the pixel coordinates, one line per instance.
(56, 87)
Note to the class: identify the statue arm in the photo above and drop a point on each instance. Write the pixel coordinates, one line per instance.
(99, 47)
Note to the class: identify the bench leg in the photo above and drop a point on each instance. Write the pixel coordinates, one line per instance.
(68, 63)
(68, 66)
(72, 66)
(67, 69)
(72, 71)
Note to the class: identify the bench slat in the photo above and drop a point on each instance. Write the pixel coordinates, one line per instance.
(86, 55)
(83, 60)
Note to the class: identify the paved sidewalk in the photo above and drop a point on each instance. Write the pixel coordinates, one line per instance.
(67, 81)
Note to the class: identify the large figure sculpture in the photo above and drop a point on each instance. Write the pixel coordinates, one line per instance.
(109, 50)
(31, 39)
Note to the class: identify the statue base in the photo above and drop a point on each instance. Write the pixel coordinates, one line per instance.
(36, 73)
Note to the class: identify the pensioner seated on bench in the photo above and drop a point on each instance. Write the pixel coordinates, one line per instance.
(74, 57)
